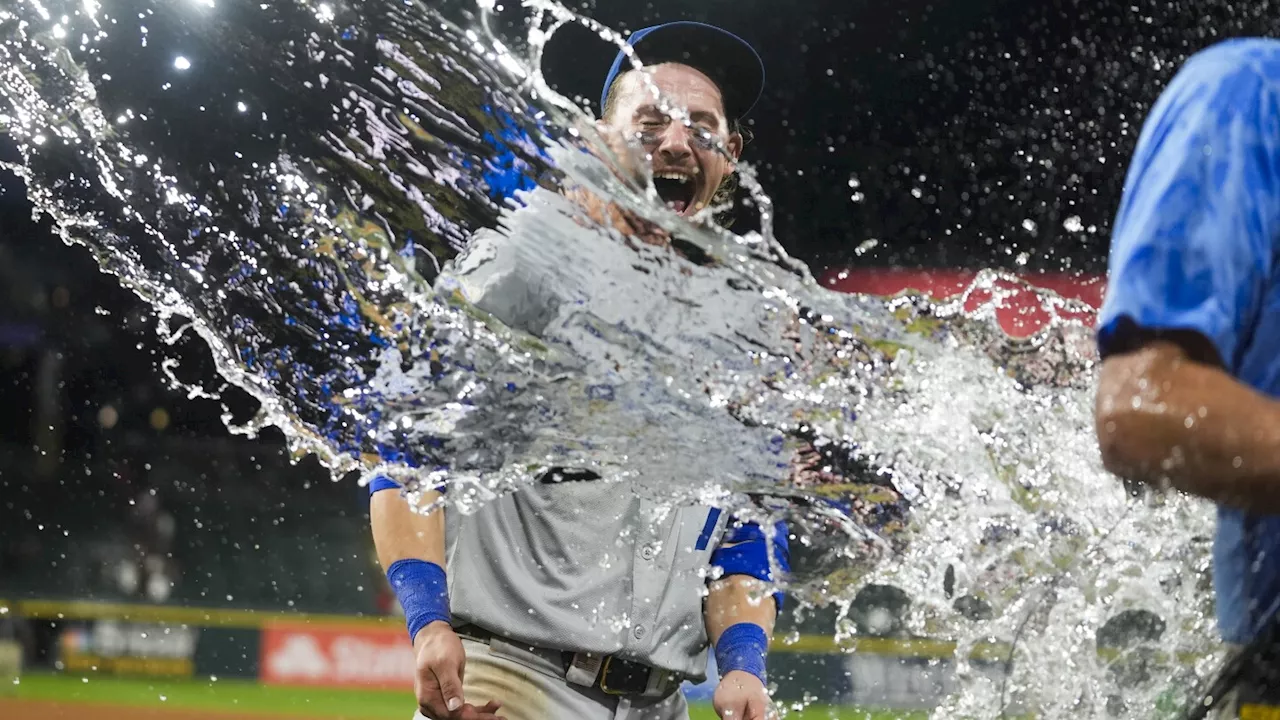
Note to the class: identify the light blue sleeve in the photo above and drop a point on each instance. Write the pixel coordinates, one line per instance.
(1194, 237)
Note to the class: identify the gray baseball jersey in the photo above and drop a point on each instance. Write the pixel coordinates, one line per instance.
(586, 566)
(576, 565)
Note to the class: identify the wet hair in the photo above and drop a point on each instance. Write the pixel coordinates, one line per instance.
(729, 185)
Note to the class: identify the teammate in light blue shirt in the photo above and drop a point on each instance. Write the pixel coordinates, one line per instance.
(1190, 329)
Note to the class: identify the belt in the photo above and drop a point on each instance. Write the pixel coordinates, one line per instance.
(613, 675)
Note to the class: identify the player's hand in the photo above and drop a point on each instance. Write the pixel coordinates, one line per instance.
(741, 696)
(437, 683)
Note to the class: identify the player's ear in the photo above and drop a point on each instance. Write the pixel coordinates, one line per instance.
(734, 144)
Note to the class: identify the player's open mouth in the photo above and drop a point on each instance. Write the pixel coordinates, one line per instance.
(676, 188)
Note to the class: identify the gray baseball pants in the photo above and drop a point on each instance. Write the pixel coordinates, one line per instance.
(532, 686)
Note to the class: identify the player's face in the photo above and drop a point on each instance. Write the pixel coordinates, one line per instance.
(689, 157)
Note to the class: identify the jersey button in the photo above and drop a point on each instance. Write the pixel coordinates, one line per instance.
(639, 632)
(647, 552)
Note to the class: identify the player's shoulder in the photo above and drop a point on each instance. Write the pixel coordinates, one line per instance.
(485, 243)
(1230, 73)
(1257, 53)
(1224, 96)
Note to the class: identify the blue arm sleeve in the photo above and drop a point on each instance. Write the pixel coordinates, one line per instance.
(1193, 240)
(745, 551)
(381, 483)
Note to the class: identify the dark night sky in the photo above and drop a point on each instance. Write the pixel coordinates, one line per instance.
(976, 130)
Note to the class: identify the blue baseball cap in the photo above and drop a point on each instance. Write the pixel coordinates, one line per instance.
(731, 63)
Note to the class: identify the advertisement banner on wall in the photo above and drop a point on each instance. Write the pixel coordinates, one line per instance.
(1023, 303)
(132, 648)
(336, 656)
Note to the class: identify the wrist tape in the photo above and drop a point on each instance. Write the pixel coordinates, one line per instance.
(423, 592)
(742, 647)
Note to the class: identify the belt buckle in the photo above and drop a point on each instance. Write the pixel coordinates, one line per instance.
(638, 679)
(604, 678)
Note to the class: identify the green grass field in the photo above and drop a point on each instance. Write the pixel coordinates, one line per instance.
(244, 696)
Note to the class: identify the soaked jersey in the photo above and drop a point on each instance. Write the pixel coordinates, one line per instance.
(586, 565)
(576, 562)
(1194, 248)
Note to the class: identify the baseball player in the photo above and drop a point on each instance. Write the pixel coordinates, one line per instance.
(1190, 329)
(574, 597)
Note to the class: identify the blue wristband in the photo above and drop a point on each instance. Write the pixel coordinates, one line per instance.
(423, 592)
(742, 647)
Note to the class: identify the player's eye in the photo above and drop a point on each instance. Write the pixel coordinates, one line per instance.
(704, 138)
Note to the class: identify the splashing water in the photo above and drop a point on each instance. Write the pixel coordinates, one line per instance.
(294, 183)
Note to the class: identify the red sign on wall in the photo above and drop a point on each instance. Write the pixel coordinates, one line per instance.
(1021, 311)
(336, 656)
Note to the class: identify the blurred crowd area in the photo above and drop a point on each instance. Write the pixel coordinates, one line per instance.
(117, 486)
(200, 522)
